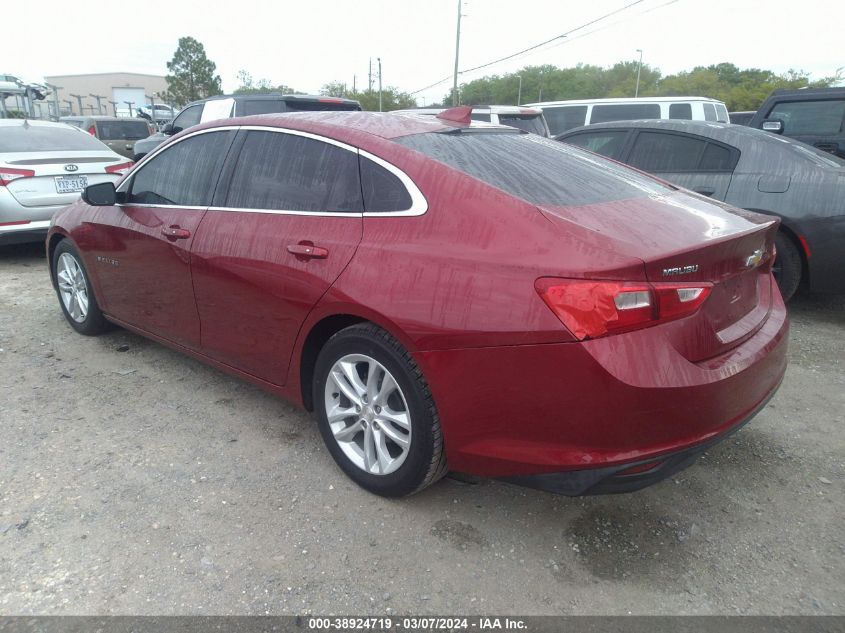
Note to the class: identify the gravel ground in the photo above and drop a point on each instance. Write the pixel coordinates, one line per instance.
(134, 480)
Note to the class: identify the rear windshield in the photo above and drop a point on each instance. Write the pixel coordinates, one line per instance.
(528, 122)
(321, 105)
(37, 138)
(536, 169)
(263, 106)
(123, 130)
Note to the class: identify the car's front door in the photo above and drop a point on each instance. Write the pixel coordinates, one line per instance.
(689, 161)
(142, 246)
(286, 221)
(818, 123)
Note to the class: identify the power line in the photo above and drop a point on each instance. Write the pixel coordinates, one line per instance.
(541, 44)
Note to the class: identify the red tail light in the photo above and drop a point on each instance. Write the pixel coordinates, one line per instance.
(590, 309)
(92, 130)
(8, 174)
(121, 170)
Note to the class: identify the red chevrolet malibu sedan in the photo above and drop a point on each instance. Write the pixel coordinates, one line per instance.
(442, 294)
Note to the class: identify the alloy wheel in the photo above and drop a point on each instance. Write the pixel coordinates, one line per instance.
(73, 288)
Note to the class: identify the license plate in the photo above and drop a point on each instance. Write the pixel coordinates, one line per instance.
(71, 184)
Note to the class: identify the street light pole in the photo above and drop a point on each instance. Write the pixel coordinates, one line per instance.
(379, 83)
(519, 92)
(639, 67)
(455, 99)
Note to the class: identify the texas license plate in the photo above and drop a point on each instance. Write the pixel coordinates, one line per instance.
(71, 184)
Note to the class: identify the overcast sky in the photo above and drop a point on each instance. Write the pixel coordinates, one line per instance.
(307, 44)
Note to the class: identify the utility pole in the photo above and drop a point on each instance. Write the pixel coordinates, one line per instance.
(55, 91)
(99, 98)
(354, 79)
(69, 105)
(519, 92)
(370, 74)
(79, 101)
(455, 99)
(639, 67)
(379, 83)
(114, 107)
(540, 95)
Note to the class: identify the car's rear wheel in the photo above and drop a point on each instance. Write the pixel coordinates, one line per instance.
(76, 296)
(376, 413)
(787, 266)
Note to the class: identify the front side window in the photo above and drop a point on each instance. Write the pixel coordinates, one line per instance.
(680, 111)
(811, 117)
(187, 118)
(184, 174)
(661, 152)
(287, 172)
(562, 118)
(624, 112)
(605, 143)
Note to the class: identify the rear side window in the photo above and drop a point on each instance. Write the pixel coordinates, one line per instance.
(383, 191)
(811, 117)
(680, 111)
(287, 172)
(605, 143)
(722, 114)
(667, 153)
(43, 138)
(536, 169)
(562, 118)
(184, 174)
(532, 123)
(709, 112)
(123, 130)
(624, 112)
(262, 106)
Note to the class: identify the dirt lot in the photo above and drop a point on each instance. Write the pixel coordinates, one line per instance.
(134, 480)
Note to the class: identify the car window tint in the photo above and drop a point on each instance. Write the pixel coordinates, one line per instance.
(716, 158)
(680, 111)
(123, 130)
(562, 118)
(605, 143)
(263, 106)
(183, 174)
(43, 138)
(534, 168)
(709, 112)
(478, 116)
(811, 117)
(624, 111)
(383, 191)
(722, 114)
(187, 118)
(532, 123)
(287, 172)
(661, 152)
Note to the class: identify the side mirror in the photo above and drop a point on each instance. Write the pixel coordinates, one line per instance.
(775, 126)
(168, 129)
(100, 195)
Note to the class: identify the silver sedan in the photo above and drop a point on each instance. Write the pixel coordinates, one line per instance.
(44, 167)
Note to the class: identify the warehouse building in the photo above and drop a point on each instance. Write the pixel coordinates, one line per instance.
(118, 92)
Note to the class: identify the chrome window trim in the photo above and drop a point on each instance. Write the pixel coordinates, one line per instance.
(419, 205)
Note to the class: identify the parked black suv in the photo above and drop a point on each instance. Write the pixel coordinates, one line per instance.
(815, 116)
(225, 106)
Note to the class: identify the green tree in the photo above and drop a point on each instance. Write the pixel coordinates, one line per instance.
(248, 85)
(191, 74)
(391, 97)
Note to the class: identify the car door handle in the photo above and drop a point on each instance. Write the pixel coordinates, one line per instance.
(308, 251)
(705, 191)
(175, 232)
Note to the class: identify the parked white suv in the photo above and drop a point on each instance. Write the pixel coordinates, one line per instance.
(527, 119)
(565, 115)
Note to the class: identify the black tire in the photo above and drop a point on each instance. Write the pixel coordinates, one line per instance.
(425, 461)
(94, 322)
(787, 266)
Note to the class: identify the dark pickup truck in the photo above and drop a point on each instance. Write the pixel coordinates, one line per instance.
(815, 116)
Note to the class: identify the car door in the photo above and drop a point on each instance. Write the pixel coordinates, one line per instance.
(819, 123)
(142, 245)
(286, 221)
(687, 160)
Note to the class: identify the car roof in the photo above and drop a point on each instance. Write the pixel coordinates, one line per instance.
(493, 109)
(274, 96)
(33, 123)
(621, 100)
(342, 125)
(100, 117)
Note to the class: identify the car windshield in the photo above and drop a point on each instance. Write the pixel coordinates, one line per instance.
(536, 169)
(123, 130)
(41, 138)
(527, 122)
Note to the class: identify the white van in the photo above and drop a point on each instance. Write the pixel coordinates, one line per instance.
(564, 115)
(524, 118)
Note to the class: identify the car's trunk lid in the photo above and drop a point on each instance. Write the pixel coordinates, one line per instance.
(685, 239)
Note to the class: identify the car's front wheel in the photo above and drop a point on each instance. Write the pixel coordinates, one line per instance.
(76, 296)
(376, 413)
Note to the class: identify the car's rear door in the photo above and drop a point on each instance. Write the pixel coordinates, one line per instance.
(286, 220)
(690, 161)
(142, 246)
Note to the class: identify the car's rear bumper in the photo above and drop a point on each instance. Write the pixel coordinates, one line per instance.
(23, 232)
(602, 405)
